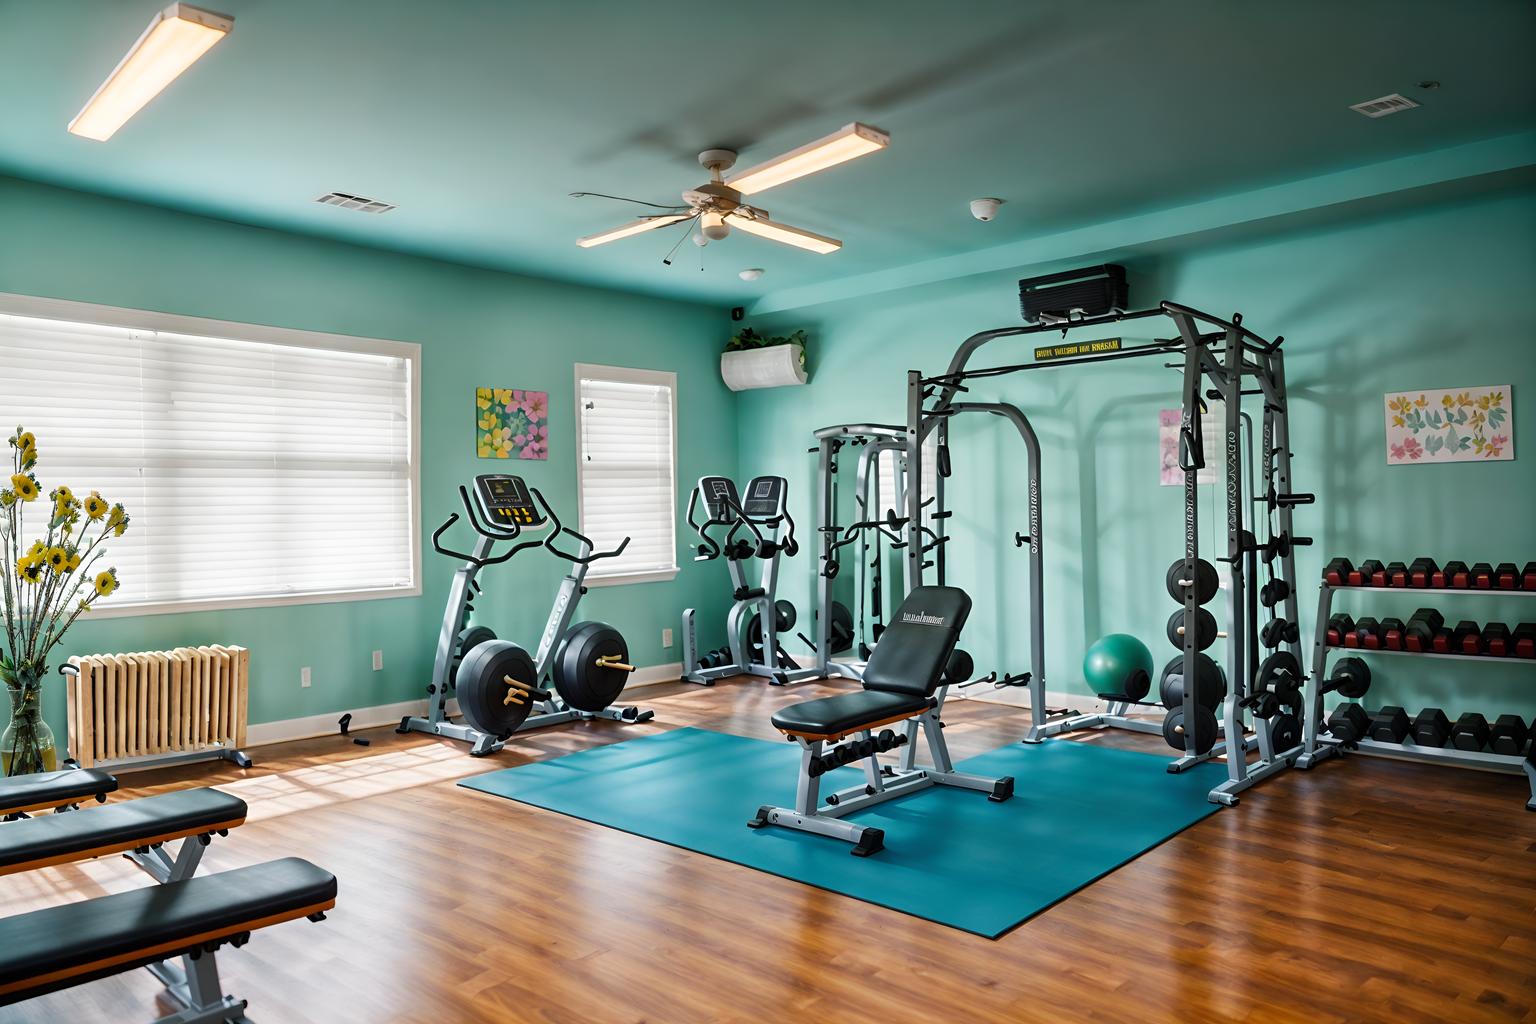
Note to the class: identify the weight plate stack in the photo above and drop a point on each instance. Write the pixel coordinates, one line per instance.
(484, 690)
(580, 680)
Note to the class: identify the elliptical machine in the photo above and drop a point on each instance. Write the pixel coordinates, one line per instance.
(499, 686)
(756, 619)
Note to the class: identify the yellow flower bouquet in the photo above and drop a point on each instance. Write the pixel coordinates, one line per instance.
(48, 583)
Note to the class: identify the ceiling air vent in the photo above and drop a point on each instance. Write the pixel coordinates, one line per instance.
(1384, 105)
(362, 204)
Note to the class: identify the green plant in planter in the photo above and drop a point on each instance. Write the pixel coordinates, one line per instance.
(45, 585)
(747, 338)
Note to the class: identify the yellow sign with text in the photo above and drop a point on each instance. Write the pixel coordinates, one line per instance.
(1077, 348)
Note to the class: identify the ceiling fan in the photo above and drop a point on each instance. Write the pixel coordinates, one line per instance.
(719, 204)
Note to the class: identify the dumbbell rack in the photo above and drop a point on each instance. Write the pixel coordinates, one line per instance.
(1316, 748)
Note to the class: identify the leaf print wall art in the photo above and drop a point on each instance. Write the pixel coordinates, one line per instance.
(1455, 425)
(511, 423)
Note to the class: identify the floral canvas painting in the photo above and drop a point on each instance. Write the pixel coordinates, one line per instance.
(1455, 425)
(511, 423)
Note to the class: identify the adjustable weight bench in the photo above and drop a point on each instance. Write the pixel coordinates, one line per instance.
(905, 682)
(47, 950)
(22, 794)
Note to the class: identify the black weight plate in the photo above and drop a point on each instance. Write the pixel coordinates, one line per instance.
(784, 619)
(1205, 629)
(1207, 581)
(1353, 677)
(1279, 672)
(1284, 732)
(842, 628)
(1211, 689)
(483, 688)
(580, 681)
(468, 640)
(1205, 730)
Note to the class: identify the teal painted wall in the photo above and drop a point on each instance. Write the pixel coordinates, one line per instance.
(476, 327)
(1438, 297)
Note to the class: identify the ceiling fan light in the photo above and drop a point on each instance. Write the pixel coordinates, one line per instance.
(798, 237)
(634, 227)
(173, 42)
(847, 143)
(713, 226)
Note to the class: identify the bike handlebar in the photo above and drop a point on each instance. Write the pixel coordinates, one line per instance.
(493, 532)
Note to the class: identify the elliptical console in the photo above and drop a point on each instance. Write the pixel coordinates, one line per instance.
(501, 688)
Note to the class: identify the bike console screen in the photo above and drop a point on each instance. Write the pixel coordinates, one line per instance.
(719, 495)
(765, 497)
(506, 500)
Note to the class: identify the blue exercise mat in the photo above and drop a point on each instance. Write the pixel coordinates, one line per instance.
(1078, 812)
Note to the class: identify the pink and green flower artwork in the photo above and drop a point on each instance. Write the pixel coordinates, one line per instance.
(511, 423)
(1455, 425)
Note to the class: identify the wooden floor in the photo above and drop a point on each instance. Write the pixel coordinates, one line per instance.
(1361, 890)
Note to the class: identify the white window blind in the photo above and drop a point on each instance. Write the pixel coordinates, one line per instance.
(887, 465)
(626, 469)
(255, 471)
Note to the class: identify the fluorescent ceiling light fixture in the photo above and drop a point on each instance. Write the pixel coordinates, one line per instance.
(848, 142)
(634, 227)
(765, 228)
(174, 40)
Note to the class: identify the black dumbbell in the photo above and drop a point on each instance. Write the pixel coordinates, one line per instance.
(1336, 572)
(1392, 634)
(1467, 638)
(1496, 639)
(1273, 592)
(1349, 723)
(1442, 642)
(1419, 632)
(1340, 625)
(1482, 576)
(1397, 575)
(1506, 576)
(1524, 638)
(1528, 576)
(1362, 574)
(1451, 576)
(1431, 728)
(1367, 634)
(1350, 678)
(1421, 571)
(1390, 725)
(1470, 732)
(1508, 735)
(1279, 631)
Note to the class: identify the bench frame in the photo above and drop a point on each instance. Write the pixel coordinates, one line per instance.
(881, 782)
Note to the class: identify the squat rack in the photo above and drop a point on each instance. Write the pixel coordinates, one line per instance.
(1224, 351)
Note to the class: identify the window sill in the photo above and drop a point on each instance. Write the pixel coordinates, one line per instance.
(620, 579)
(125, 611)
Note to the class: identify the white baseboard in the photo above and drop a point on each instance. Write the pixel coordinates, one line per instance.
(264, 733)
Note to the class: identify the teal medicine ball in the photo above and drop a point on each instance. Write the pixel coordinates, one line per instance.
(1119, 666)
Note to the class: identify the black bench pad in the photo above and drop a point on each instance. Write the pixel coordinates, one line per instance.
(848, 712)
(58, 838)
(53, 789)
(58, 947)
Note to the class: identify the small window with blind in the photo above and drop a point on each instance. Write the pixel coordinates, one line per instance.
(261, 466)
(626, 470)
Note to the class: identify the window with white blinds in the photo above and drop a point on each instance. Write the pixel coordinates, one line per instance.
(260, 466)
(627, 470)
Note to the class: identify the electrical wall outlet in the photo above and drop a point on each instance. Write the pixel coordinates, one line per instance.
(378, 661)
(304, 679)
(666, 638)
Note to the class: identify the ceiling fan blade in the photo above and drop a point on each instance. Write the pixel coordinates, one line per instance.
(850, 141)
(634, 227)
(762, 227)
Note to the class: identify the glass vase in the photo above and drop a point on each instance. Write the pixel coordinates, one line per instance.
(27, 744)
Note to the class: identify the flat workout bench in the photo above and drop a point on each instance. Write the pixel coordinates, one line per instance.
(47, 950)
(135, 826)
(904, 682)
(21, 794)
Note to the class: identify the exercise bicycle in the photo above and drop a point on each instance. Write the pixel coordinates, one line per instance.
(499, 685)
(756, 618)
